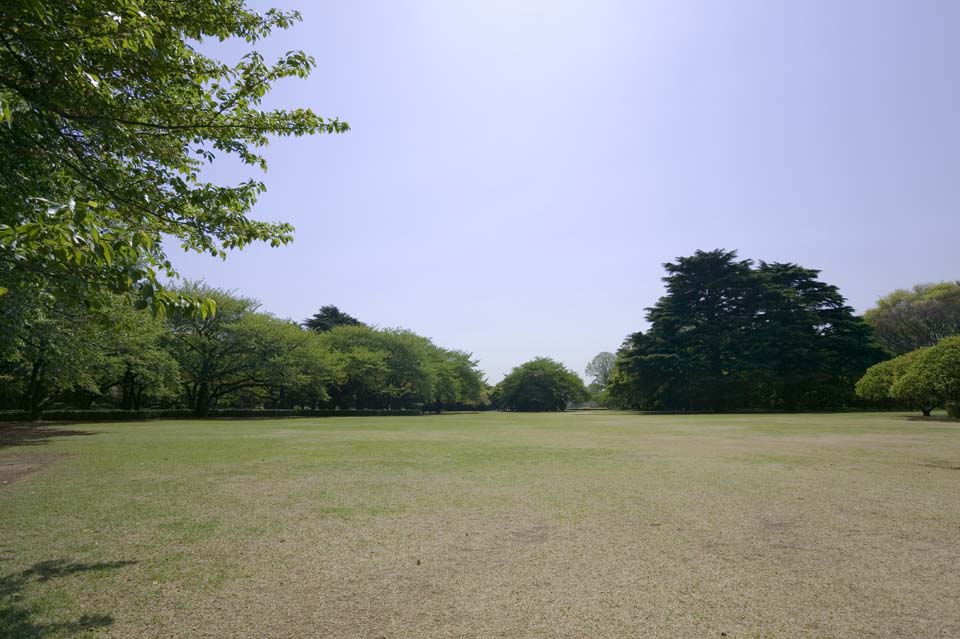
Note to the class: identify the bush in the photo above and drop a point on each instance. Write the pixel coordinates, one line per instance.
(953, 409)
(542, 384)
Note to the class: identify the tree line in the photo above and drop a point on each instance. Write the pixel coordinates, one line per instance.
(55, 354)
(921, 328)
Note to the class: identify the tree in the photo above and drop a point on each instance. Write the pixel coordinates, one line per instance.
(730, 335)
(137, 364)
(110, 110)
(48, 347)
(286, 366)
(806, 348)
(907, 320)
(396, 368)
(877, 382)
(600, 368)
(241, 356)
(933, 377)
(542, 384)
(329, 317)
(457, 382)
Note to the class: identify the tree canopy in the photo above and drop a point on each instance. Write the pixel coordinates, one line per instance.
(907, 320)
(110, 110)
(933, 377)
(877, 383)
(542, 384)
(924, 379)
(728, 335)
(600, 368)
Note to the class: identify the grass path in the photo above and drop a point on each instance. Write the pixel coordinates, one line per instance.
(491, 525)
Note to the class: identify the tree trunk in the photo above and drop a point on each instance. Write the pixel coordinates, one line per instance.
(126, 389)
(34, 394)
(203, 401)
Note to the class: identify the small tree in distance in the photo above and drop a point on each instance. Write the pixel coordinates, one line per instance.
(329, 317)
(600, 368)
(542, 384)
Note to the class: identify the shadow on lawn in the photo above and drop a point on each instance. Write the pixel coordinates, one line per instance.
(934, 418)
(17, 618)
(20, 434)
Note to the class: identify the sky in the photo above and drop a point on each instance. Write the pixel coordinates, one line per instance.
(518, 172)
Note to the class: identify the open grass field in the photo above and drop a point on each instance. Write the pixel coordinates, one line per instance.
(491, 525)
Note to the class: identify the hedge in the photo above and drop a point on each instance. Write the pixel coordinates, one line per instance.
(104, 415)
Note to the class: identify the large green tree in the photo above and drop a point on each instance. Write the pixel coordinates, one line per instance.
(137, 368)
(907, 320)
(110, 109)
(542, 384)
(240, 356)
(876, 385)
(396, 368)
(933, 376)
(457, 382)
(730, 335)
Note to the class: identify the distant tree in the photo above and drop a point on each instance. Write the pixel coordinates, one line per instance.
(109, 112)
(137, 365)
(213, 360)
(600, 368)
(383, 368)
(933, 377)
(329, 317)
(241, 355)
(907, 320)
(286, 366)
(541, 384)
(457, 380)
(729, 335)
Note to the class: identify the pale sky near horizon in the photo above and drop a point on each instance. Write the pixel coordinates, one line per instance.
(518, 171)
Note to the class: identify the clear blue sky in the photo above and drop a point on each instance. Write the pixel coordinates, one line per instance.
(518, 171)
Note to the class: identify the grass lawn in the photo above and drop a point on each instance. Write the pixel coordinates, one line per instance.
(491, 525)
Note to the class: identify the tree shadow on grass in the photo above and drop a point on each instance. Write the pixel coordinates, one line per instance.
(20, 434)
(17, 619)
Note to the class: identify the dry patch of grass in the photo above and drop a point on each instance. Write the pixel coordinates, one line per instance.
(574, 525)
(15, 466)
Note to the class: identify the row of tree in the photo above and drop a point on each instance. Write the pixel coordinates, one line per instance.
(112, 354)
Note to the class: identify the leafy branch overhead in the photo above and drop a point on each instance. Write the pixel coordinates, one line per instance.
(111, 110)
